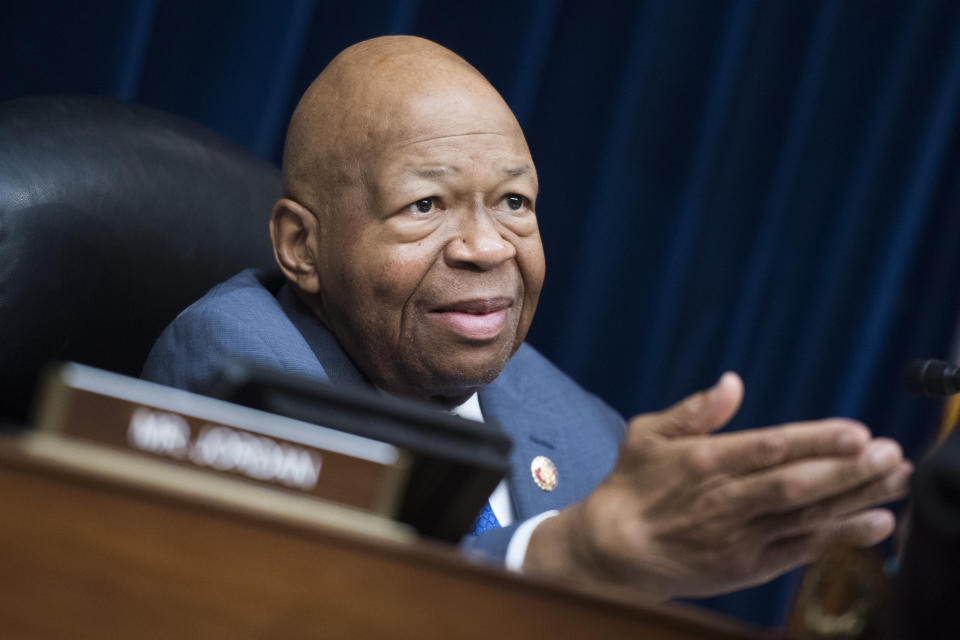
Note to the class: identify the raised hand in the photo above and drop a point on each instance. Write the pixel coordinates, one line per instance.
(687, 513)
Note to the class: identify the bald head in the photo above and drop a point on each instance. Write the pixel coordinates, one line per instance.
(377, 93)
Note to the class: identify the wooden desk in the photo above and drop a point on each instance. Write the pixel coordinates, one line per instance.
(87, 557)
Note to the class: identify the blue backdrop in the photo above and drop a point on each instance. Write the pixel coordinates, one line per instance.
(769, 187)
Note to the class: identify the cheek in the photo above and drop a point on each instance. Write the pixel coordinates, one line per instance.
(525, 235)
(396, 274)
(532, 267)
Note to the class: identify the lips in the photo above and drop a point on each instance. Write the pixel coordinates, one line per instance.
(476, 319)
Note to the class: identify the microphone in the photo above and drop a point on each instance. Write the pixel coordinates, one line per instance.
(932, 378)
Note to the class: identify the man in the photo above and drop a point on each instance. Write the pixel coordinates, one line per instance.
(409, 244)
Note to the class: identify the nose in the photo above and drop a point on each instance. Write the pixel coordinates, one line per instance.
(477, 243)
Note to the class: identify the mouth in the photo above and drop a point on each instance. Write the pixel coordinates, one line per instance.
(475, 319)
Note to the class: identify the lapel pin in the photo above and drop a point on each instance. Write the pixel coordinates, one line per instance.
(544, 473)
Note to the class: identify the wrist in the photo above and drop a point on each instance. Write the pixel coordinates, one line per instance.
(560, 546)
(520, 541)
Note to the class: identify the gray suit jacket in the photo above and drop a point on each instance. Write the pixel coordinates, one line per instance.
(256, 318)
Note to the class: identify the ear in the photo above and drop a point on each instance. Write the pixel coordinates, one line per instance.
(295, 233)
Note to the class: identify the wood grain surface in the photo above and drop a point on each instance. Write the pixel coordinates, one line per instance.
(83, 557)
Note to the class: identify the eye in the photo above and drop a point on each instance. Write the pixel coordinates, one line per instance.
(422, 206)
(514, 201)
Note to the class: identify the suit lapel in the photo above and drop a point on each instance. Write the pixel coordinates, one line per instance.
(535, 431)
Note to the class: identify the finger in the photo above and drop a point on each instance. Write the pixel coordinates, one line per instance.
(804, 482)
(864, 529)
(823, 514)
(756, 449)
(697, 414)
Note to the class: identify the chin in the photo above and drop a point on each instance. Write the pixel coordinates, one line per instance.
(463, 379)
(448, 372)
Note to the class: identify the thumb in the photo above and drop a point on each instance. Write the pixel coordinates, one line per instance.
(697, 414)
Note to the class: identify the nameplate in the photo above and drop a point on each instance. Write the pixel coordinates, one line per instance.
(204, 433)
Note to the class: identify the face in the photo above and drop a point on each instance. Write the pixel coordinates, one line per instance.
(431, 268)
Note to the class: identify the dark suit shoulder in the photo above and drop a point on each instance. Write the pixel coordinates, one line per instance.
(252, 291)
(238, 320)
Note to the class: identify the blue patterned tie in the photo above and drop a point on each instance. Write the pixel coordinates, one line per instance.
(485, 521)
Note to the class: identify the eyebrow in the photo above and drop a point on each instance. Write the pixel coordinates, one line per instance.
(433, 174)
(516, 172)
(439, 172)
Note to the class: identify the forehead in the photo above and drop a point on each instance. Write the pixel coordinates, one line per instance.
(455, 129)
(455, 154)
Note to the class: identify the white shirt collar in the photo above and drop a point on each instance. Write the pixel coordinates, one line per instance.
(470, 409)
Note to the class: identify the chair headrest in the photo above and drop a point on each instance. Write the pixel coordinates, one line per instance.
(113, 218)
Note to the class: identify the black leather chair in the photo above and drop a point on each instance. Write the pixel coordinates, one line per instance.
(113, 218)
